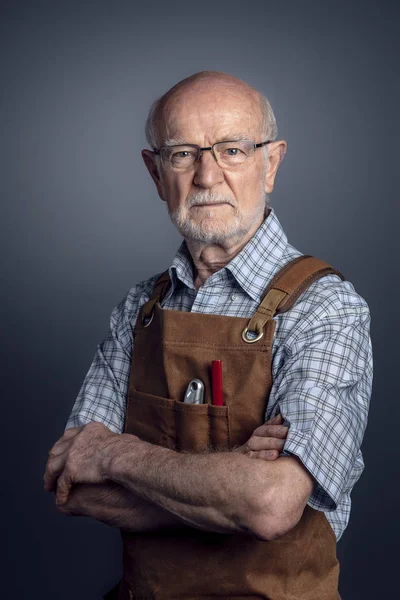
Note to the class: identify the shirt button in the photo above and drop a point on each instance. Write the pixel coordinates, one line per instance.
(233, 297)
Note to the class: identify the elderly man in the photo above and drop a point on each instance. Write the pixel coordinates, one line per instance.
(240, 488)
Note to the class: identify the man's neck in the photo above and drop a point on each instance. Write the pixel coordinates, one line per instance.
(210, 258)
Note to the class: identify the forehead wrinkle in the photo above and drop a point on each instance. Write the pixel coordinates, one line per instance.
(234, 137)
(211, 86)
(209, 128)
(175, 142)
(204, 105)
(230, 137)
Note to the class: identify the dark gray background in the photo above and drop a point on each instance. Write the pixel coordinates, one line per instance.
(82, 223)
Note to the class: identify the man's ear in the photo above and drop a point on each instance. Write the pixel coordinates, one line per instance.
(151, 163)
(276, 153)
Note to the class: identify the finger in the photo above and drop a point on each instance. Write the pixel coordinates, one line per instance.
(65, 440)
(61, 447)
(277, 420)
(72, 432)
(70, 508)
(257, 443)
(277, 431)
(264, 454)
(64, 485)
(57, 458)
(54, 468)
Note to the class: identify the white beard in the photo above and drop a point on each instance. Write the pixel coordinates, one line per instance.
(217, 230)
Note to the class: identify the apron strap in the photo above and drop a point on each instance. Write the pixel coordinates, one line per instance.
(157, 295)
(281, 294)
(284, 290)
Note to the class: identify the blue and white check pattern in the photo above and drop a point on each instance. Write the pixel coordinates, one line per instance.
(322, 360)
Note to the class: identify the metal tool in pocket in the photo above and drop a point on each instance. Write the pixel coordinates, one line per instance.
(194, 392)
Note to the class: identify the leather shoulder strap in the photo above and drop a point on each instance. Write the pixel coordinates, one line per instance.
(280, 295)
(296, 277)
(287, 286)
(159, 290)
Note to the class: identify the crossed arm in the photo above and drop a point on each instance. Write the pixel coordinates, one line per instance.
(126, 482)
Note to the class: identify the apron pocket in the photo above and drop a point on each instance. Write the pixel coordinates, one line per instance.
(177, 425)
(152, 418)
(202, 427)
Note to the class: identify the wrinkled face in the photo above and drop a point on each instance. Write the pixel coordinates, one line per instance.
(206, 202)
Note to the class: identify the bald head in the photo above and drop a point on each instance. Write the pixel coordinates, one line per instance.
(210, 161)
(207, 88)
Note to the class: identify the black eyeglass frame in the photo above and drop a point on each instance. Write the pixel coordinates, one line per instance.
(157, 151)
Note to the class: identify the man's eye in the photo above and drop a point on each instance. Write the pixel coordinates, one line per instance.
(181, 155)
(232, 151)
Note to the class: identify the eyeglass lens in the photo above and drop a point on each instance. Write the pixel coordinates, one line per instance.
(228, 154)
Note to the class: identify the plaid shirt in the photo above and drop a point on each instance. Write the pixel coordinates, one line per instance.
(321, 360)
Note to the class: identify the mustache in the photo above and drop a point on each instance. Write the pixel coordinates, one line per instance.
(207, 198)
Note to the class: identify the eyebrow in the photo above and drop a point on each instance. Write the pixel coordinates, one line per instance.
(234, 137)
(175, 142)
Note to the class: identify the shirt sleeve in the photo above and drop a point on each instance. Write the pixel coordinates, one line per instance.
(322, 387)
(103, 394)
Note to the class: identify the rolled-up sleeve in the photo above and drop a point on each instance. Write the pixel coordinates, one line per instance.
(322, 388)
(103, 393)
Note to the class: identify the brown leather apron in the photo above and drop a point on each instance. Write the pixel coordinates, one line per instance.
(171, 348)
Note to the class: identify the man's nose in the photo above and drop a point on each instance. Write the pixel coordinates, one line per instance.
(208, 173)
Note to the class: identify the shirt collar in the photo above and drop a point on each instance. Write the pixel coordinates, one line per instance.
(252, 268)
(260, 259)
(182, 268)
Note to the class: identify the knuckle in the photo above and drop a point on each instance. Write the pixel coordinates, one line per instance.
(69, 471)
(261, 429)
(277, 431)
(270, 444)
(264, 454)
(70, 433)
(250, 444)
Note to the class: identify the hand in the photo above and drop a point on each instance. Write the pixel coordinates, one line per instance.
(57, 458)
(101, 501)
(115, 506)
(267, 441)
(78, 457)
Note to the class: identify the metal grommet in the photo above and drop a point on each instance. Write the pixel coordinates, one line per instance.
(246, 339)
(146, 322)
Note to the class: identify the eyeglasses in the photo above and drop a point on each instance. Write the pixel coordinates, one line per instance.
(227, 154)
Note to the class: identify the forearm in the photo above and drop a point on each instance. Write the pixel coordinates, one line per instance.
(116, 506)
(223, 492)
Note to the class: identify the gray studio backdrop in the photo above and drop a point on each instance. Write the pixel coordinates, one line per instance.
(82, 223)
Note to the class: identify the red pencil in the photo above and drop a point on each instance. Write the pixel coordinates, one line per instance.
(217, 392)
